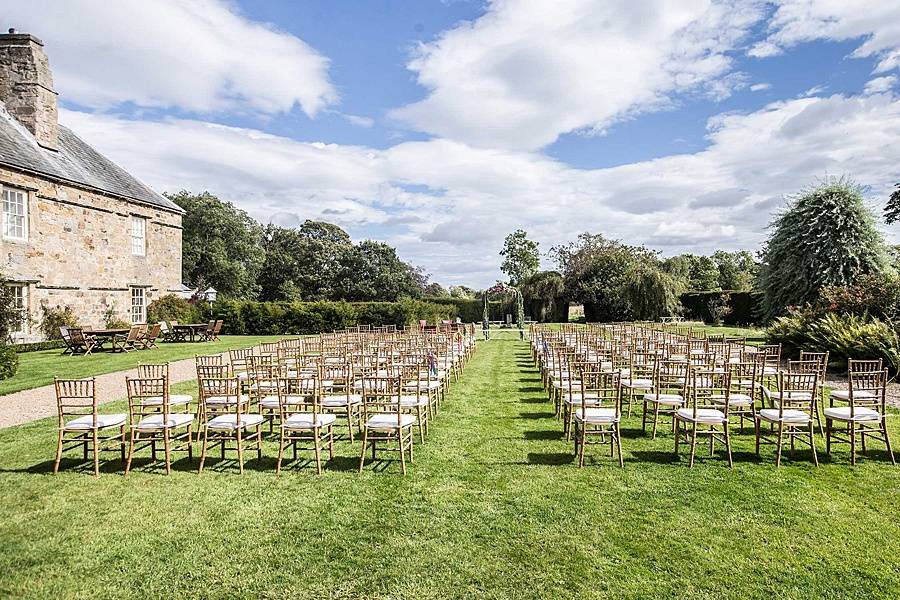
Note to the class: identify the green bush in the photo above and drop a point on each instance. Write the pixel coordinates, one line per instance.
(38, 346)
(54, 318)
(743, 306)
(173, 308)
(845, 336)
(9, 361)
(875, 295)
(298, 318)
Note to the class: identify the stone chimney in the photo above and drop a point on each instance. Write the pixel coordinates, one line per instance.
(26, 86)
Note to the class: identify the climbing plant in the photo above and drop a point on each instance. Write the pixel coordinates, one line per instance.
(501, 289)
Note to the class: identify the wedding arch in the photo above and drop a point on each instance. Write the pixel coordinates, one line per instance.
(502, 290)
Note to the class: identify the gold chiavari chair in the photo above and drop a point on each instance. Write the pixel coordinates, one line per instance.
(863, 415)
(794, 402)
(232, 420)
(153, 421)
(706, 411)
(599, 413)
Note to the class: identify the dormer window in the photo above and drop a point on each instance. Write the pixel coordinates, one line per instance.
(138, 236)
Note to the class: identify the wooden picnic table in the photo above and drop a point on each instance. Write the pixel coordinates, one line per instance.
(183, 330)
(112, 335)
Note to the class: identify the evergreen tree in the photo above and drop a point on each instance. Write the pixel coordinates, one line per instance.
(826, 236)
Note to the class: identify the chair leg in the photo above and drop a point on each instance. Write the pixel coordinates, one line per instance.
(403, 452)
(203, 450)
(655, 420)
(812, 444)
(362, 455)
(693, 444)
(130, 453)
(240, 450)
(728, 444)
(280, 453)
(828, 425)
(851, 427)
(318, 452)
(619, 446)
(168, 451)
(780, 437)
(96, 454)
(756, 426)
(887, 441)
(59, 445)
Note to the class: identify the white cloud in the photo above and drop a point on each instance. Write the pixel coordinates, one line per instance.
(880, 85)
(468, 198)
(759, 87)
(877, 22)
(196, 55)
(359, 121)
(526, 72)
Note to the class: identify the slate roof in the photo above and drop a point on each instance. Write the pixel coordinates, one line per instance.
(75, 162)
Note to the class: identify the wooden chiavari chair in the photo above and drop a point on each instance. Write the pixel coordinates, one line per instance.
(707, 406)
(601, 418)
(153, 420)
(864, 414)
(232, 420)
(793, 416)
(301, 418)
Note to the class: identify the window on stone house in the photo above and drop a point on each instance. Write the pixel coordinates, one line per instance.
(15, 214)
(138, 305)
(20, 304)
(138, 236)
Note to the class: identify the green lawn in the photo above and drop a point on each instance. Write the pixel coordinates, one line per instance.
(38, 368)
(493, 507)
(753, 334)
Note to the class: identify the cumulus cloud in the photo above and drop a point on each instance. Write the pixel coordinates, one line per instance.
(200, 56)
(876, 23)
(526, 72)
(880, 85)
(447, 205)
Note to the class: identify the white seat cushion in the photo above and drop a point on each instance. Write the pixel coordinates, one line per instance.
(103, 421)
(858, 395)
(703, 415)
(860, 413)
(305, 421)
(386, 421)
(423, 384)
(155, 422)
(790, 415)
(272, 402)
(575, 398)
(775, 396)
(638, 384)
(597, 415)
(413, 400)
(174, 400)
(734, 399)
(670, 399)
(229, 422)
(226, 400)
(341, 400)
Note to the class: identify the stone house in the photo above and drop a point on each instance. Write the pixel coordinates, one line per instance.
(76, 229)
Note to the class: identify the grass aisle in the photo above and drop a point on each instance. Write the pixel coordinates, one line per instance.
(493, 507)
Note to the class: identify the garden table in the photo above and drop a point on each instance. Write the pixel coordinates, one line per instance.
(112, 335)
(182, 330)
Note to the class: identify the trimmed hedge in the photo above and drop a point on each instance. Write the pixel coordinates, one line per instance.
(547, 311)
(297, 318)
(470, 310)
(37, 346)
(744, 306)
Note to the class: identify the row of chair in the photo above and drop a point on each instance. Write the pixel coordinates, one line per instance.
(701, 385)
(386, 384)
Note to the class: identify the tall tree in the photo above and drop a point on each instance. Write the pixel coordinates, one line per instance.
(892, 210)
(435, 290)
(737, 270)
(826, 237)
(520, 256)
(372, 271)
(220, 245)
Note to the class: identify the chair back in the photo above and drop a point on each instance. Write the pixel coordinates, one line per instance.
(64, 333)
(133, 334)
(141, 390)
(217, 328)
(156, 371)
(228, 388)
(854, 365)
(76, 336)
(600, 387)
(705, 387)
(208, 359)
(797, 391)
(296, 394)
(164, 328)
(75, 398)
(381, 393)
(154, 332)
(868, 389)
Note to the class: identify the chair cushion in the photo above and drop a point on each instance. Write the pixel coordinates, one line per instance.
(597, 415)
(790, 415)
(227, 400)
(155, 422)
(413, 400)
(703, 415)
(858, 395)
(860, 413)
(174, 400)
(387, 421)
(305, 421)
(734, 399)
(341, 400)
(103, 421)
(230, 422)
(638, 384)
(575, 398)
(671, 399)
(272, 402)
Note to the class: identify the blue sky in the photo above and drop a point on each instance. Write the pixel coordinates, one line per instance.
(441, 126)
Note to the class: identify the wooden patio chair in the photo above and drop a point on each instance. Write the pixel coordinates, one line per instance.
(794, 402)
(385, 420)
(81, 343)
(707, 406)
(231, 421)
(206, 334)
(81, 425)
(153, 421)
(149, 339)
(129, 342)
(217, 328)
(864, 414)
(67, 340)
(301, 419)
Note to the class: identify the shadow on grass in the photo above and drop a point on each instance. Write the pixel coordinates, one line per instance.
(550, 458)
(533, 400)
(536, 415)
(543, 435)
(531, 389)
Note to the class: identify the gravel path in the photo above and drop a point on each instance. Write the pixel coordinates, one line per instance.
(30, 405)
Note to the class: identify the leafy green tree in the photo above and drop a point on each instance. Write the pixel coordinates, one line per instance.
(463, 291)
(372, 271)
(520, 256)
(220, 246)
(543, 293)
(435, 290)
(892, 210)
(825, 237)
(737, 270)
(651, 293)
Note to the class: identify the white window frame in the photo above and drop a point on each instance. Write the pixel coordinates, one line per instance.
(21, 303)
(20, 216)
(138, 305)
(138, 236)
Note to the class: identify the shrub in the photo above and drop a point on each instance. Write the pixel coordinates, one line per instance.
(719, 307)
(845, 336)
(38, 346)
(9, 316)
(112, 321)
(743, 306)
(875, 295)
(54, 318)
(173, 308)
(9, 361)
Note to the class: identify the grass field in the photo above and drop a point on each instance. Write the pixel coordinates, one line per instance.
(38, 368)
(493, 507)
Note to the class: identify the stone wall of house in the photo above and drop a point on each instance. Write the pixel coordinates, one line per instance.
(79, 251)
